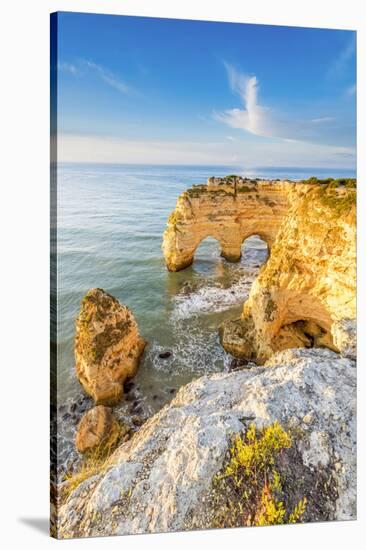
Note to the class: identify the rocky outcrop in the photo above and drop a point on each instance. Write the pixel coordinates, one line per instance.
(305, 295)
(161, 479)
(228, 209)
(107, 346)
(98, 429)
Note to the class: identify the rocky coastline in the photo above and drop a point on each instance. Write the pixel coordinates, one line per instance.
(294, 363)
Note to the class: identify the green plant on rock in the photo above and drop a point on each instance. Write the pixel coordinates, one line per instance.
(250, 482)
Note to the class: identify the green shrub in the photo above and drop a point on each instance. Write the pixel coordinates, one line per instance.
(251, 483)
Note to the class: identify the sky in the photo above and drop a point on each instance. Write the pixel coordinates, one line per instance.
(162, 91)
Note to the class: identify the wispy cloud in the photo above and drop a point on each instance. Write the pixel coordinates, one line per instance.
(321, 119)
(269, 122)
(340, 64)
(92, 148)
(254, 117)
(84, 66)
(108, 77)
(68, 67)
(351, 90)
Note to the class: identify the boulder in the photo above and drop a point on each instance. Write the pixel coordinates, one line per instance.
(107, 346)
(160, 480)
(98, 429)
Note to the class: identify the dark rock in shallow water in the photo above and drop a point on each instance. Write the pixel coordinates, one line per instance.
(73, 407)
(165, 354)
(130, 396)
(137, 420)
(66, 416)
(237, 364)
(187, 288)
(172, 390)
(129, 386)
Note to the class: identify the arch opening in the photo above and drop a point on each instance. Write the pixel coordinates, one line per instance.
(207, 253)
(254, 251)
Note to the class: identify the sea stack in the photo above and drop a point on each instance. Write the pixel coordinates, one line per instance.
(108, 346)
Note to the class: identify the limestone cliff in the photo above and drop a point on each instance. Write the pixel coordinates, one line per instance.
(227, 209)
(160, 480)
(107, 346)
(305, 295)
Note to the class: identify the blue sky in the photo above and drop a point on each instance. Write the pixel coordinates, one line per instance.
(143, 90)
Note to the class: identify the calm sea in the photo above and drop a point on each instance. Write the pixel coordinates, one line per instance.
(111, 219)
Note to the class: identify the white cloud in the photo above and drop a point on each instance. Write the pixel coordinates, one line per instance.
(321, 119)
(84, 66)
(68, 67)
(268, 122)
(270, 152)
(108, 77)
(254, 118)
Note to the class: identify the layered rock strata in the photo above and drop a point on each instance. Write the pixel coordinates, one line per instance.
(305, 295)
(108, 346)
(228, 209)
(159, 480)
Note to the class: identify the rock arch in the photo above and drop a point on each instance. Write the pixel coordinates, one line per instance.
(227, 209)
(306, 294)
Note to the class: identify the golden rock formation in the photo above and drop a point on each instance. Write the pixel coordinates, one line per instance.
(98, 429)
(107, 346)
(228, 209)
(305, 295)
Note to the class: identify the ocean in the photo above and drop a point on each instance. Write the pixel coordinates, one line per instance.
(110, 222)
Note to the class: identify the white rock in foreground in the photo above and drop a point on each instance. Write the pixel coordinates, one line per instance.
(161, 475)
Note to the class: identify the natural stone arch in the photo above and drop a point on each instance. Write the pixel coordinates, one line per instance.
(227, 209)
(306, 293)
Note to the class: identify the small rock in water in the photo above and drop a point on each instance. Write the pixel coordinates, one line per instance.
(172, 390)
(237, 364)
(66, 416)
(137, 420)
(155, 396)
(73, 407)
(187, 288)
(130, 397)
(165, 354)
(129, 386)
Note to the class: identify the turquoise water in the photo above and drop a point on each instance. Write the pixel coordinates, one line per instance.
(111, 219)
